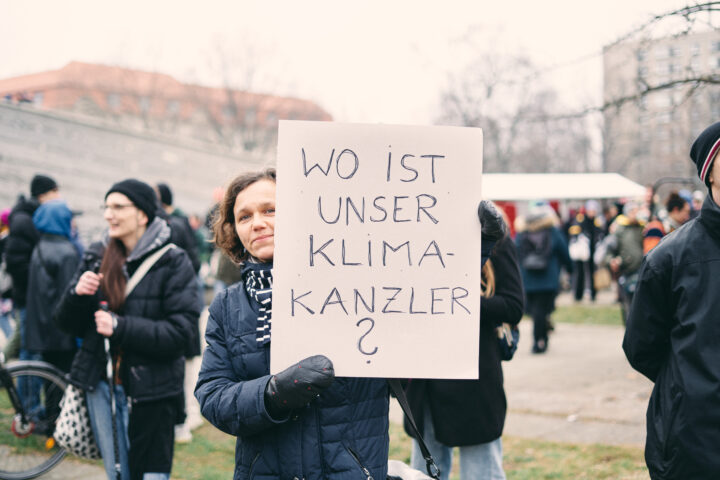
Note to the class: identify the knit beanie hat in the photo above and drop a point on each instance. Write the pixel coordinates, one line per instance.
(705, 149)
(140, 194)
(41, 184)
(166, 196)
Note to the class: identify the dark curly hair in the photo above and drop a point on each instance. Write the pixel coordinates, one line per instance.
(225, 236)
(675, 202)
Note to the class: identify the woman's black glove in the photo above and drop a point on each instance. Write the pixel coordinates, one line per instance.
(298, 385)
(492, 228)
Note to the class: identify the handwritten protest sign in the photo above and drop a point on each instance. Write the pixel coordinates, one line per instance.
(377, 249)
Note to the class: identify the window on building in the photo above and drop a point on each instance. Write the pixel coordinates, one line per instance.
(672, 51)
(173, 107)
(271, 118)
(695, 64)
(38, 98)
(695, 49)
(250, 115)
(144, 104)
(663, 119)
(715, 105)
(113, 101)
(641, 55)
(716, 46)
(228, 111)
(642, 71)
(662, 100)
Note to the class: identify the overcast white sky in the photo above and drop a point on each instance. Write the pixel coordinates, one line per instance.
(363, 61)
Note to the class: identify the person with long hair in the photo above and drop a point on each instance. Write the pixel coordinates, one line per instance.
(302, 422)
(149, 328)
(470, 414)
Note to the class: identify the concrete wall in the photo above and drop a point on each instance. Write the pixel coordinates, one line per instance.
(85, 157)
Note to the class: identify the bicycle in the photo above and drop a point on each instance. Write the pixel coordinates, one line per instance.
(27, 446)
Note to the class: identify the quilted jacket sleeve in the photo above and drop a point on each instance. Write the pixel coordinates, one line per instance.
(232, 403)
(74, 313)
(168, 335)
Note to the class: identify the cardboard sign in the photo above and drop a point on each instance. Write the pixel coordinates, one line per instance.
(377, 249)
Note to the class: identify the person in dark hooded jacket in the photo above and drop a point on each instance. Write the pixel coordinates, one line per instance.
(52, 266)
(673, 333)
(470, 414)
(542, 252)
(23, 234)
(149, 329)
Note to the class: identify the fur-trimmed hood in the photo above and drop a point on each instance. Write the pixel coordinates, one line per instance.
(537, 221)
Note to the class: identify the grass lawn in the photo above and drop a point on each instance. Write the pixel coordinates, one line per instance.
(211, 455)
(588, 314)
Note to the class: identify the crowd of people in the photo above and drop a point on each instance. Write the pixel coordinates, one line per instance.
(135, 297)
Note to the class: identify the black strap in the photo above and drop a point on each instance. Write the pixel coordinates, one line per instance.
(397, 389)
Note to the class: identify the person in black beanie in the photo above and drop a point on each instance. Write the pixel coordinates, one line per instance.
(149, 324)
(672, 335)
(140, 194)
(42, 184)
(703, 152)
(184, 237)
(19, 246)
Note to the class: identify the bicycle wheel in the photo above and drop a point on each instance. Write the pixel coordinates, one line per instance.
(28, 449)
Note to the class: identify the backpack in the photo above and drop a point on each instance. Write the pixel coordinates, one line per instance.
(536, 250)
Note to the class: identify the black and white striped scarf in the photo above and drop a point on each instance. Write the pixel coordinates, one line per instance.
(258, 284)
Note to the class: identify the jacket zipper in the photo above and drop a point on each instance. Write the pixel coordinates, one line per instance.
(357, 459)
(319, 440)
(252, 465)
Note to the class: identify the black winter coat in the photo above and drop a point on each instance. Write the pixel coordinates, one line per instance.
(469, 412)
(158, 321)
(19, 246)
(52, 266)
(672, 337)
(182, 235)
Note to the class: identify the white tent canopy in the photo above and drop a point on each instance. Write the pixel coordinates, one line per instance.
(558, 186)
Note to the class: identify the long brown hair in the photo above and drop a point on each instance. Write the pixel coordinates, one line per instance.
(113, 281)
(488, 279)
(225, 236)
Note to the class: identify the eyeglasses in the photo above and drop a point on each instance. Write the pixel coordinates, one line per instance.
(118, 207)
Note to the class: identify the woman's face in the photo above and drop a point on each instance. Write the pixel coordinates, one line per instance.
(255, 219)
(124, 219)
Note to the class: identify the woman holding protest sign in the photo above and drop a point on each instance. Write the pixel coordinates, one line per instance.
(302, 422)
(470, 414)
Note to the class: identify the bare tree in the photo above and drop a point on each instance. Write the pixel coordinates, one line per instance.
(501, 94)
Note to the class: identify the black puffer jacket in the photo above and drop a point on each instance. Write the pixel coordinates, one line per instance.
(158, 321)
(672, 337)
(469, 412)
(19, 246)
(52, 266)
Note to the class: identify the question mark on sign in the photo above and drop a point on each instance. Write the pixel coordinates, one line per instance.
(360, 347)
